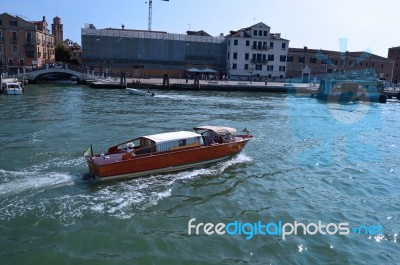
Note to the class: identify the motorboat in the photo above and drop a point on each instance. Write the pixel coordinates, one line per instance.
(166, 152)
(138, 92)
(11, 88)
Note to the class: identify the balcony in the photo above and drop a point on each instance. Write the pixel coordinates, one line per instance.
(260, 47)
(259, 61)
(39, 54)
(38, 42)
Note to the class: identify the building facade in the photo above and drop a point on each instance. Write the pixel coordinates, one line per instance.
(151, 52)
(254, 53)
(394, 54)
(24, 43)
(306, 64)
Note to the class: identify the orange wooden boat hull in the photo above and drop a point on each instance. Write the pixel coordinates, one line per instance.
(115, 166)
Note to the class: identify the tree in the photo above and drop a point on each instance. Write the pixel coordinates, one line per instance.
(63, 54)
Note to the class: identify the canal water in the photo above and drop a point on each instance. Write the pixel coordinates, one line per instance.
(330, 171)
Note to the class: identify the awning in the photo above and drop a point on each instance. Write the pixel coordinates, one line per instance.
(208, 70)
(194, 70)
(218, 129)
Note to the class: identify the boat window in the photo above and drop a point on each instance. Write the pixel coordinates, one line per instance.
(175, 144)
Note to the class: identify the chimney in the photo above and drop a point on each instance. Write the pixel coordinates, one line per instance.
(305, 48)
(44, 19)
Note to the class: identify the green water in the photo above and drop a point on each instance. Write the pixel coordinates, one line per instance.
(308, 162)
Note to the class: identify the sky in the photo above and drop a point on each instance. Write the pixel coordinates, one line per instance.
(352, 25)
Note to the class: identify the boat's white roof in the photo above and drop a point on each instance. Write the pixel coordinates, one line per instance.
(11, 83)
(217, 129)
(171, 136)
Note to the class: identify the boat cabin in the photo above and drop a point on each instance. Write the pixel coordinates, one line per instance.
(169, 141)
(215, 134)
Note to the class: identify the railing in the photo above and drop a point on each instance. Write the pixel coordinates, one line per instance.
(260, 47)
(259, 61)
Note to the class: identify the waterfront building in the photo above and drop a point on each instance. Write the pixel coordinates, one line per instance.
(306, 64)
(154, 53)
(394, 54)
(254, 53)
(76, 50)
(24, 43)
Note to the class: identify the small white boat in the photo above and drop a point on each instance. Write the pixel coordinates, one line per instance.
(138, 92)
(11, 89)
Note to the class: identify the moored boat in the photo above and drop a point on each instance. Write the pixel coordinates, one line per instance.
(166, 152)
(11, 89)
(138, 92)
(343, 91)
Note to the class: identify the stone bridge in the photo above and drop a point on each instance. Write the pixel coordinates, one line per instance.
(82, 77)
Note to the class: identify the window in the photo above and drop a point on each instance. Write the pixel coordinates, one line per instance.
(235, 55)
(21, 61)
(259, 67)
(313, 60)
(10, 61)
(373, 64)
(246, 67)
(227, 57)
(271, 45)
(382, 66)
(301, 59)
(1, 61)
(254, 44)
(29, 37)
(260, 33)
(247, 43)
(282, 68)
(13, 23)
(234, 66)
(1, 48)
(270, 57)
(290, 59)
(1, 22)
(255, 32)
(15, 48)
(229, 42)
(336, 62)
(246, 56)
(235, 42)
(265, 33)
(270, 68)
(14, 36)
(350, 62)
(283, 45)
(282, 58)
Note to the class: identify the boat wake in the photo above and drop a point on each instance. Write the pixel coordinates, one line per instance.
(35, 192)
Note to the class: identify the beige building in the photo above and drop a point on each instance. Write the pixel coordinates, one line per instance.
(24, 44)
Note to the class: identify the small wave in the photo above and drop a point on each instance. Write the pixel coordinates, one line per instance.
(23, 181)
(117, 199)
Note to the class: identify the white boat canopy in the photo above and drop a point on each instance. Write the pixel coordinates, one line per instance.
(172, 136)
(218, 129)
